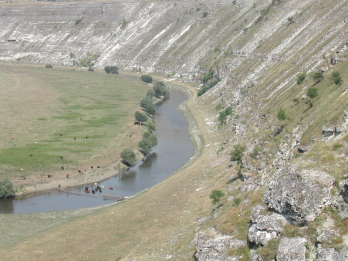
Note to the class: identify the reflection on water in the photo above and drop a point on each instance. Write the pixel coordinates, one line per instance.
(173, 150)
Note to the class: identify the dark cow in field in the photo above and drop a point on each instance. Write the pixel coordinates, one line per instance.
(48, 176)
(91, 167)
(98, 167)
(62, 168)
(79, 171)
(93, 192)
(86, 188)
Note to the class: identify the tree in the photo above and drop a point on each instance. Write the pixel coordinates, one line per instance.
(236, 153)
(111, 69)
(222, 117)
(150, 93)
(140, 117)
(90, 60)
(216, 195)
(205, 14)
(281, 115)
(151, 125)
(6, 188)
(317, 76)
(301, 77)
(148, 106)
(291, 19)
(146, 78)
(149, 140)
(128, 156)
(336, 78)
(160, 89)
(48, 66)
(312, 92)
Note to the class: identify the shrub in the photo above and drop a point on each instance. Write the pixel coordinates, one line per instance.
(128, 156)
(146, 78)
(89, 60)
(291, 19)
(72, 55)
(124, 23)
(208, 87)
(312, 92)
(336, 78)
(208, 76)
(281, 115)
(205, 14)
(236, 153)
(141, 117)
(216, 195)
(150, 93)
(77, 21)
(301, 77)
(48, 65)
(317, 76)
(6, 188)
(149, 140)
(255, 152)
(236, 202)
(222, 117)
(111, 69)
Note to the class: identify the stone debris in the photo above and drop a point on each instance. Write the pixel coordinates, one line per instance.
(301, 195)
(212, 246)
(330, 254)
(264, 227)
(291, 249)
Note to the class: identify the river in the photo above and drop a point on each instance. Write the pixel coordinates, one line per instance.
(174, 149)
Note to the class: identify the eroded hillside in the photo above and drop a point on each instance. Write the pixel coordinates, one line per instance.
(286, 196)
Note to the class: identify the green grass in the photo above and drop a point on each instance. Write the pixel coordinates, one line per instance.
(56, 106)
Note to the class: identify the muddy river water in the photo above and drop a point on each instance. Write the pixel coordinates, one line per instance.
(174, 149)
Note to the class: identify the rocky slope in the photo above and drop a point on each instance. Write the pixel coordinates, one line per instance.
(256, 49)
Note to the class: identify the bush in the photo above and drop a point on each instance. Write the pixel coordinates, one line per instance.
(208, 87)
(146, 78)
(89, 60)
(128, 156)
(236, 153)
(149, 140)
(150, 93)
(216, 195)
(6, 188)
(124, 23)
(336, 78)
(281, 115)
(301, 77)
(48, 65)
(222, 117)
(312, 92)
(236, 202)
(141, 117)
(255, 152)
(205, 14)
(317, 76)
(111, 69)
(208, 76)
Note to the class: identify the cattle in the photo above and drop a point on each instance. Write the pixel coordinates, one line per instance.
(74, 138)
(87, 191)
(66, 167)
(111, 188)
(86, 188)
(91, 167)
(86, 137)
(95, 184)
(104, 133)
(31, 155)
(98, 167)
(48, 176)
(130, 135)
(59, 186)
(61, 157)
(12, 138)
(98, 188)
(79, 171)
(93, 192)
(102, 186)
(67, 176)
(62, 168)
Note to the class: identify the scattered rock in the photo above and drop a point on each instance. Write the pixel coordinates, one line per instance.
(212, 246)
(301, 195)
(230, 198)
(330, 254)
(291, 249)
(264, 227)
(327, 131)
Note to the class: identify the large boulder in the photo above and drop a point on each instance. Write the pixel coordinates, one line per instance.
(291, 249)
(300, 195)
(212, 246)
(330, 254)
(264, 227)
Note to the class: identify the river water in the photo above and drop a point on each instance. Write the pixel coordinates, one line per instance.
(174, 149)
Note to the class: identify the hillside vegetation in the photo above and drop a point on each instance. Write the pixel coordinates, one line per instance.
(278, 152)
